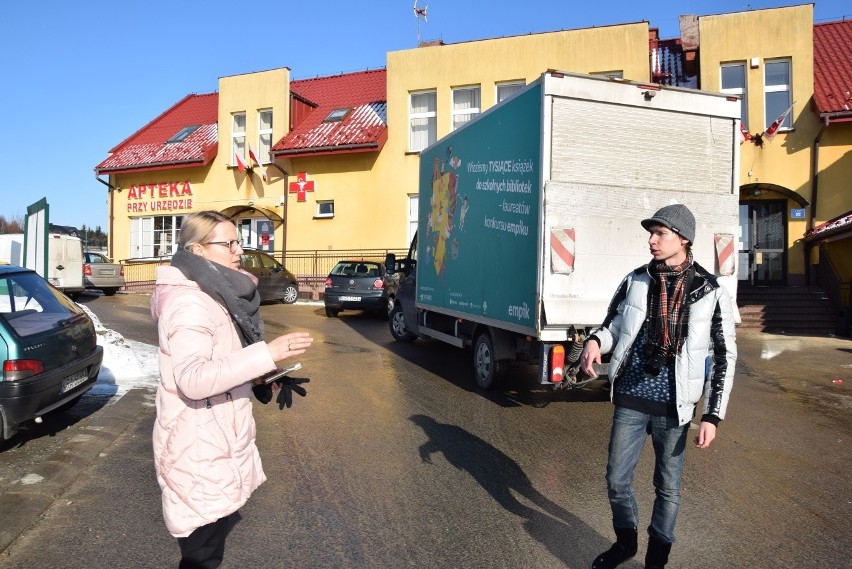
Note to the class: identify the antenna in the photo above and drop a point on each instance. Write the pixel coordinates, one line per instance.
(420, 13)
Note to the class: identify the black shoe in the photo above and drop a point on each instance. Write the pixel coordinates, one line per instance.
(624, 548)
(658, 554)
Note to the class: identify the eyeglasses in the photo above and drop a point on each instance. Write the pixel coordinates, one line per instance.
(232, 245)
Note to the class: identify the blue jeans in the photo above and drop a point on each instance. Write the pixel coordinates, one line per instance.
(629, 429)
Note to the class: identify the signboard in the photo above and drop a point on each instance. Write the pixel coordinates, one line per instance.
(797, 213)
(36, 226)
(479, 216)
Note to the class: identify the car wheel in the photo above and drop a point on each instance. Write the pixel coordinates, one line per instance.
(291, 294)
(397, 326)
(109, 291)
(487, 370)
(331, 312)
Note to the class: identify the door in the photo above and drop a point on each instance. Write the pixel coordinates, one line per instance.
(763, 251)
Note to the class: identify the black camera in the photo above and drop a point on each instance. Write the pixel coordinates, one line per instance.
(655, 359)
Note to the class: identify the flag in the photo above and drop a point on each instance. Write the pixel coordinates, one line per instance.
(253, 156)
(239, 162)
(772, 129)
(744, 135)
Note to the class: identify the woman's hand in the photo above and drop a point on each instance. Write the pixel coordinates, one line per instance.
(290, 345)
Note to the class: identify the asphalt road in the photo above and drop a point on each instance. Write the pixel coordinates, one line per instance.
(395, 459)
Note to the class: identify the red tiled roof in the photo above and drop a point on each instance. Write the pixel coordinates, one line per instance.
(833, 67)
(363, 129)
(147, 148)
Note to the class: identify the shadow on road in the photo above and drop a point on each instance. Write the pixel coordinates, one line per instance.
(566, 536)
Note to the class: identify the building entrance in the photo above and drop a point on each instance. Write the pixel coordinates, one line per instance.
(763, 249)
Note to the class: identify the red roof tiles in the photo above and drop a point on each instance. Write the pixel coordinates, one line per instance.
(147, 149)
(833, 67)
(363, 129)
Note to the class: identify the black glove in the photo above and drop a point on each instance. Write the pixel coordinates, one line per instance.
(288, 386)
(262, 392)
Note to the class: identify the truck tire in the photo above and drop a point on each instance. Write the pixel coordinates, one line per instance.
(487, 370)
(396, 323)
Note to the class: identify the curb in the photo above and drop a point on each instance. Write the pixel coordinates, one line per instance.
(62, 468)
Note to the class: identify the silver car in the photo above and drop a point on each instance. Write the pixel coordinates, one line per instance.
(99, 273)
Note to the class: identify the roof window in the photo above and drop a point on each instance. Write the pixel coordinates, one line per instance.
(337, 115)
(183, 133)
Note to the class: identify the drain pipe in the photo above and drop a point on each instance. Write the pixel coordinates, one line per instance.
(814, 186)
(110, 188)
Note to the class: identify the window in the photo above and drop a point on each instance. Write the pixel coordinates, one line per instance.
(465, 105)
(182, 134)
(264, 135)
(506, 89)
(423, 120)
(733, 82)
(336, 115)
(325, 208)
(778, 91)
(154, 236)
(238, 137)
(413, 203)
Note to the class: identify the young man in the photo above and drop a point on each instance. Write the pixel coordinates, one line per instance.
(665, 319)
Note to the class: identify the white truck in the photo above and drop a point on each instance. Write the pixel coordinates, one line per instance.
(64, 259)
(529, 215)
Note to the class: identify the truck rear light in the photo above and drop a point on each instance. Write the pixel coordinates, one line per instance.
(87, 270)
(557, 363)
(13, 370)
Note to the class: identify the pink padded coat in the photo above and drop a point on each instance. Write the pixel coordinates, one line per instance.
(205, 456)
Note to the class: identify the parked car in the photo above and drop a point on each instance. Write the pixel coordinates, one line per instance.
(48, 347)
(99, 273)
(357, 285)
(274, 282)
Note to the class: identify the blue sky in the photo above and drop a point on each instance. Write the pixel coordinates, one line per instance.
(80, 77)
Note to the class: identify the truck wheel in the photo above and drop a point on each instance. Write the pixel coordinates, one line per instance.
(486, 368)
(397, 326)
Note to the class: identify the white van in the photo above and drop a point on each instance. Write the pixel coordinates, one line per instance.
(64, 259)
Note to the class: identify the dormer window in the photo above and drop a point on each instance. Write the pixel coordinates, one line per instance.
(182, 134)
(337, 115)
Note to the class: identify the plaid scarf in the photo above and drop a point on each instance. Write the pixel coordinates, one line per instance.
(667, 315)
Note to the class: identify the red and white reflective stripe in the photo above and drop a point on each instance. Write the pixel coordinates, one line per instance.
(562, 251)
(725, 253)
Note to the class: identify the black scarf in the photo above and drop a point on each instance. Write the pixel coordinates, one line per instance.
(667, 313)
(232, 289)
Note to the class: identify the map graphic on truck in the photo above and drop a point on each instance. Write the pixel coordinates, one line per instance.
(481, 215)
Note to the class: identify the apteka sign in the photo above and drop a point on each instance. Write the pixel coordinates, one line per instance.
(163, 196)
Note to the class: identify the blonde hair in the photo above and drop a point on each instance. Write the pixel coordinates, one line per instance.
(196, 227)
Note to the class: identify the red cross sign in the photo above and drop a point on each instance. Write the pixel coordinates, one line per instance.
(300, 186)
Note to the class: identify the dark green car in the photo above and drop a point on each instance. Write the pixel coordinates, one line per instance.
(48, 347)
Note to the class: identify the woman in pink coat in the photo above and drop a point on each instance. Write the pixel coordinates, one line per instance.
(211, 350)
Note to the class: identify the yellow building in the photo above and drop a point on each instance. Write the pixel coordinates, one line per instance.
(334, 159)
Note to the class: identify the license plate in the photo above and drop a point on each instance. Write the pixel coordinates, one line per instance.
(73, 381)
(350, 299)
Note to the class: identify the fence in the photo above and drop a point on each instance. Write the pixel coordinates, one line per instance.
(311, 267)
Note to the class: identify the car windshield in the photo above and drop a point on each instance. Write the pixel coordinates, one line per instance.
(30, 306)
(356, 269)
